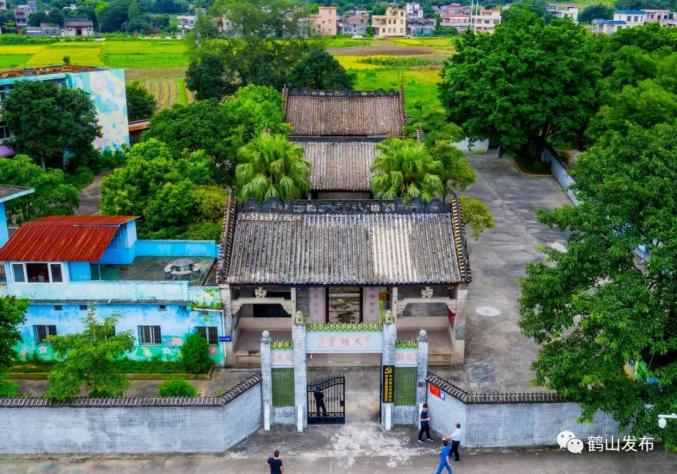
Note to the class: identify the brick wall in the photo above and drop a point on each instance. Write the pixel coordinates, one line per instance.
(131, 425)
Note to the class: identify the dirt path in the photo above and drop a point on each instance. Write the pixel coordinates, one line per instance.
(90, 197)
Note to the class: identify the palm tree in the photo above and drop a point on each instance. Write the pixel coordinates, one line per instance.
(271, 167)
(405, 169)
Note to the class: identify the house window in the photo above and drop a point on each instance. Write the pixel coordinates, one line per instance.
(163, 307)
(4, 132)
(95, 271)
(208, 332)
(43, 331)
(58, 307)
(83, 307)
(18, 270)
(37, 272)
(55, 270)
(150, 335)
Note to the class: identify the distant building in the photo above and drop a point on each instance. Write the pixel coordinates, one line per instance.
(607, 27)
(186, 22)
(3, 4)
(32, 5)
(657, 16)
(630, 17)
(393, 23)
(324, 22)
(21, 14)
(486, 20)
(459, 21)
(78, 27)
(414, 10)
(563, 11)
(105, 87)
(421, 26)
(355, 24)
(43, 30)
(451, 9)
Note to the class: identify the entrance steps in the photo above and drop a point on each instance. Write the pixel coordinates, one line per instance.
(247, 359)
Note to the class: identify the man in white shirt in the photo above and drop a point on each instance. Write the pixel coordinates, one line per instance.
(456, 442)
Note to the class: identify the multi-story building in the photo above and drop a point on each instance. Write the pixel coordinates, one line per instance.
(485, 20)
(21, 14)
(630, 17)
(43, 30)
(324, 23)
(451, 9)
(355, 24)
(421, 26)
(393, 23)
(414, 10)
(160, 290)
(105, 87)
(563, 11)
(186, 22)
(657, 16)
(459, 21)
(3, 4)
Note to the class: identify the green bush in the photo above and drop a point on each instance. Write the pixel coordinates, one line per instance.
(8, 389)
(176, 388)
(195, 355)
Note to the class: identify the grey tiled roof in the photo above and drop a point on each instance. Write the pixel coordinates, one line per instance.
(347, 242)
(492, 397)
(339, 165)
(344, 113)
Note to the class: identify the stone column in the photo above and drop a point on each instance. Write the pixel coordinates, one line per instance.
(389, 338)
(421, 371)
(267, 380)
(458, 338)
(228, 322)
(300, 373)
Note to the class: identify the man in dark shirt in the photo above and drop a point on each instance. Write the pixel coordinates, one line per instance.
(319, 401)
(275, 463)
(425, 424)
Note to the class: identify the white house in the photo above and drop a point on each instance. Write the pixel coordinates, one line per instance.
(630, 17)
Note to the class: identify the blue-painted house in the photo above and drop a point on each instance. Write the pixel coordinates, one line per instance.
(161, 290)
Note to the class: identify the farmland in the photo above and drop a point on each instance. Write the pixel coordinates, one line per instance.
(160, 64)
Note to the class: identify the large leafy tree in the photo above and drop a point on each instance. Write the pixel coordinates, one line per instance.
(87, 359)
(165, 191)
(271, 167)
(597, 312)
(141, 104)
(53, 193)
(220, 128)
(593, 12)
(527, 85)
(49, 121)
(208, 78)
(319, 70)
(12, 314)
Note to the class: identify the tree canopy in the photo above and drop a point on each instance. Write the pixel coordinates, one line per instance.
(220, 129)
(53, 195)
(593, 12)
(175, 197)
(12, 314)
(318, 70)
(526, 85)
(87, 359)
(49, 121)
(271, 167)
(140, 103)
(606, 324)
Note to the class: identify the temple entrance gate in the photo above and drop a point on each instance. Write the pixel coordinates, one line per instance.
(327, 401)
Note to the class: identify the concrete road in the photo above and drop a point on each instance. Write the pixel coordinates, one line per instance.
(360, 448)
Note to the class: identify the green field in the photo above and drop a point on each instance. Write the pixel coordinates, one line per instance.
(159, 64)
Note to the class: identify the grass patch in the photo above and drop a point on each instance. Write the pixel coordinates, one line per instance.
(401, 61)
(145, 54)
(85, 53)
(10, 61)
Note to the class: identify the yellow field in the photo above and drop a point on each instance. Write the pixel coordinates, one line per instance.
(85, 53)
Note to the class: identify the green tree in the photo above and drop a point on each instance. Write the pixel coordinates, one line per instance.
(195, 354)
(176, 388)
(141, 104)
(644, 4)
(320, 71)
(112, 15)
(49, 121)
(88, 359)
(208, 78)
(260, 19)
(35, 19)
(526, 85)
(271, 167)
(12, 314)
(593, 12)
(593, 308)
(53, 194)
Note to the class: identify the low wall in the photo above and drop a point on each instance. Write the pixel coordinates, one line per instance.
(559, 172)
(131, 425)
(176, 248)
(405, 415)
(509, 419)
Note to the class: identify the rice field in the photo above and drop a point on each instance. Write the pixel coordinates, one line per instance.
(168, 92)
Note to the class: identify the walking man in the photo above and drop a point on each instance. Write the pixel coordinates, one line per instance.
(275, 463)
(319, 401)
(425, 424)
(444, 458)
(456, 442)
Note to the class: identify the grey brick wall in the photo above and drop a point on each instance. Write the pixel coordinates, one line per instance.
(123, 427)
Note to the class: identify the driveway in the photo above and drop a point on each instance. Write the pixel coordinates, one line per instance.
(497, 356)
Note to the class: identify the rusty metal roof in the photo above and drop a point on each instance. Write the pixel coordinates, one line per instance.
(63, 239)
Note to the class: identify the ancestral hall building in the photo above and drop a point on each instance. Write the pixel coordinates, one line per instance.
(342, 257)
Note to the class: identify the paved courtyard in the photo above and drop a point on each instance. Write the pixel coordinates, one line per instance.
(358, 448)
(498, 357)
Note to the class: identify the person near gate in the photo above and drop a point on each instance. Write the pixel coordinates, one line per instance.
(425, 424)
(319, 401)
(444, 458)
(275, 463)
(456, 442)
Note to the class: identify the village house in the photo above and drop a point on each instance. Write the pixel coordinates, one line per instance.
(324, 23)
(630, 17)
(78, 27)
(459, 21)
(355, 24)
(451, 9)
(186, 22)
(563, 11)
(342, 257)
(485, 20)
(607, 27)
(414, 10)
(421, 26)
(393, 23)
